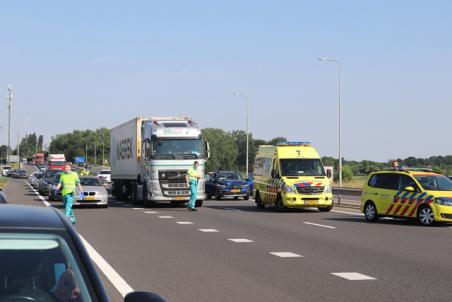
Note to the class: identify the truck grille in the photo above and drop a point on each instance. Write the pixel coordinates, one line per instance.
(174, 185)
(177, 193)
(173, 175)
(309, 190)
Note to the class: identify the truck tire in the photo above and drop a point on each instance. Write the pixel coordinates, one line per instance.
(134, 194)
(258, 200)
(199, 203)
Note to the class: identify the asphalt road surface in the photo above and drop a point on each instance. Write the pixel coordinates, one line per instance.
(231, 251)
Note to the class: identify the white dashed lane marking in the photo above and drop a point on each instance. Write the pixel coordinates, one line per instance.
(353, 276)
(208, 230)
(184, 222)
(166, 217)
(286, 254)
(150, 212)
(240, 240)
(320, 225)
(137, 208)
(346, 212)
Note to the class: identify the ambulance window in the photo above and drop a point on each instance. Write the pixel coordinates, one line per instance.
(406, 181)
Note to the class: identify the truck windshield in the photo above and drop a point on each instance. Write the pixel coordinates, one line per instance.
(57, 163)
(177, 148)
(302, 167)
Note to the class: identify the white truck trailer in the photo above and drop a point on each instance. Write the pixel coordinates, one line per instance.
(150, 158)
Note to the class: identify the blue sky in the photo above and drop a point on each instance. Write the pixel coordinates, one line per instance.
(80, 65)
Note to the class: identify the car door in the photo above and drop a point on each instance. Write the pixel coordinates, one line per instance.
(387, 184)
(408, 196)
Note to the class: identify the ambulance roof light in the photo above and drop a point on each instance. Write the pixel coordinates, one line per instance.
(293, 143)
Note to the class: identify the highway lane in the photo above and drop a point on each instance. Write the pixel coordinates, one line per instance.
(185, 264)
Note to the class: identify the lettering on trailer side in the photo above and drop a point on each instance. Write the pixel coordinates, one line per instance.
(124, 149)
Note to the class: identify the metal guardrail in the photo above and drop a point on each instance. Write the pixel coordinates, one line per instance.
(347, 191)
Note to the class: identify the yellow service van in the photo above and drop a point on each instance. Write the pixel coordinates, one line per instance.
(291, 175)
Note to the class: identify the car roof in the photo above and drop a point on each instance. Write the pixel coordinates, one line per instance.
(410, 172)
(29, 217)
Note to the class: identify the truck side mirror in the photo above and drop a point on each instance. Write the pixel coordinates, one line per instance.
(143, 297)
(274, 173)
(207, 150)
(328, 173)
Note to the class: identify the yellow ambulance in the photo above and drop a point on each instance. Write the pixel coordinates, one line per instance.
(291, 175)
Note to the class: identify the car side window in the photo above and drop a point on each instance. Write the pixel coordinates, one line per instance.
(388, 181)
(406, 181)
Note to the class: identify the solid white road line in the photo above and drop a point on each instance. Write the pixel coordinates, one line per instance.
(240, 240)
(346, 212)
(208, 230)
(120, 284)
(166, 217)
(286, 254)
(137, 208)
(320, 225)
(150, 212)
(184, 222)
(353, 276)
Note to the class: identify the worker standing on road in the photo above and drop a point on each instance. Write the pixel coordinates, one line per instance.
(69, 180)
(192, 178)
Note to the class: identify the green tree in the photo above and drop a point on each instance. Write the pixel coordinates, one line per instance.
(347, 172)
(276, 140)
(223, 150)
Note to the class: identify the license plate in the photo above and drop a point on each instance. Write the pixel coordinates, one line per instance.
(310, 202)
(89, 198)
(180, 198)
(235, 191)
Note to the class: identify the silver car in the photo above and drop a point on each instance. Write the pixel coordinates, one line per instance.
(94, 192)
(34, 179)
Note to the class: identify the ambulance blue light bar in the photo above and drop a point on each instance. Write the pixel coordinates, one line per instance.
(293, 143)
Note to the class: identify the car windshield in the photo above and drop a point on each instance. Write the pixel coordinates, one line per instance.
(56, 178)
(51, 173)
(39, 267)
(38, 176)
(434, 182)
(229, 176)
(302, 167)
(177, 148)
(57, 163)
(90, 181)
(6, 168)
(105, 172)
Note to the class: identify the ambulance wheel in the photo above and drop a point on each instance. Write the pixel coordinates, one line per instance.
(279, 204)
(370, 212)
(258, 200)
(326, 209)
(425, 215)
(199, 203)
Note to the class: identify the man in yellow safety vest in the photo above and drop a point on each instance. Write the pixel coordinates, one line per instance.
(192, 178)
(68, 181)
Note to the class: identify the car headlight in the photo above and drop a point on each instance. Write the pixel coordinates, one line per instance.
(328, 189)
(289, 189)
(444, 201)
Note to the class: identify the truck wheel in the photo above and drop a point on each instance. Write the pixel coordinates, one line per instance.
(258, 200)
(236, 197)
(145, 195)
(246, 197)
(199, 203)
(134, 194)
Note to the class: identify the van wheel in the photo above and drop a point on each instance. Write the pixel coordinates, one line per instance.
(258, 200)
(425, 216)
(326, 209)
(370, 212)
(279, 204)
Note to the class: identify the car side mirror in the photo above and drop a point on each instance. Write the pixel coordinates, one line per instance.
(328, 173)
(143, 297)
(409, 189)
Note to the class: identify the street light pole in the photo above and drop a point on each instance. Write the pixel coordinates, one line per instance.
(247, 130)
(10, 99)
(103, 154)
(339, 113)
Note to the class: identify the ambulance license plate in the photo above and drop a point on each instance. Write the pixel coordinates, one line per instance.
(310, 202)
(235, 191)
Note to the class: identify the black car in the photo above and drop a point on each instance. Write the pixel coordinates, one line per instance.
(52, 188)
(47, 177)
(227, 184)
(43, 259)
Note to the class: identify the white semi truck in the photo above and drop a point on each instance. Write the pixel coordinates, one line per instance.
(150, 158)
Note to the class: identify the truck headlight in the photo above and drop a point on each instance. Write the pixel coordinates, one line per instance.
(444, 201)
(328, 189)
(289, 189)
